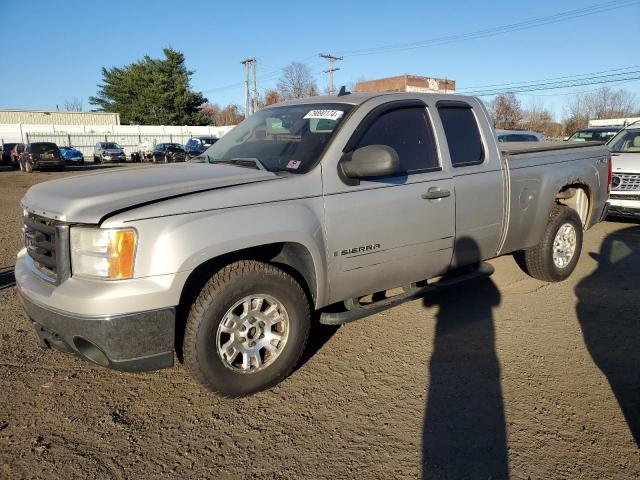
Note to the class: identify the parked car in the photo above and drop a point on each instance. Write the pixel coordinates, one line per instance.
(39, 155)
(6, 153)
(625, 188)
(595, 134)
(143, 152)
(305, 206)
(197, 145)
(168, 153)
(15, 154)
(72, 156)
(108, 152)
(517, 136)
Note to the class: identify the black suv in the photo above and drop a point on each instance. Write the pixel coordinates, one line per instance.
(197, 145)
(39, 155)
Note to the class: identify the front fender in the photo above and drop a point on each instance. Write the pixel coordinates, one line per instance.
(180, 243)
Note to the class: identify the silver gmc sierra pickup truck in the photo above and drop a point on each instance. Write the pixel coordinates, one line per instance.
(315, 209)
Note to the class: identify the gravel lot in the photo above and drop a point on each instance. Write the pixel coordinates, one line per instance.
(505, 377)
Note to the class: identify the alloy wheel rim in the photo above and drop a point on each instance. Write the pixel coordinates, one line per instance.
(564, 245)
(253, 333)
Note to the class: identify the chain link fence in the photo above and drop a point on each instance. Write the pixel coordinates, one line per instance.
(85, 142)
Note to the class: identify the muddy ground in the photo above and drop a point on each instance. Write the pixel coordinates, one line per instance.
(506, 377)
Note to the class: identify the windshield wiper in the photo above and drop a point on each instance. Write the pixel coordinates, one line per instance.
(243, 162)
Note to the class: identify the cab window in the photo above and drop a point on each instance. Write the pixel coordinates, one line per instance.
(408, 131)
(462, 133)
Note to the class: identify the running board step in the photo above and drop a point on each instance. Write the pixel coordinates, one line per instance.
(357, 311)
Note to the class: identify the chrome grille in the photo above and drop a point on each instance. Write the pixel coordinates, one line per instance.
(624, 182)
(47, 243)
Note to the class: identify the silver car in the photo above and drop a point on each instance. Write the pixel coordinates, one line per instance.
(108, 152)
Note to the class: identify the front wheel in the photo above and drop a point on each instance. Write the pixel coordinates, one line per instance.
(247, 329)
(557, 254)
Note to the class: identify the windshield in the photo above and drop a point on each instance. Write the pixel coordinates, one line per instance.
(110, 145)
(592, 135)
(626, 141)
(207, 142)
(288, 138)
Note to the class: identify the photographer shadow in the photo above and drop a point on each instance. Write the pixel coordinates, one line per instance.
(609, 313)
(464, 431)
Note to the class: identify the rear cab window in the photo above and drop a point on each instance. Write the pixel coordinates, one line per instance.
(462, 133)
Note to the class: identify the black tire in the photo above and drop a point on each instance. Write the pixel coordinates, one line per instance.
(227, 287)
(538, 261)
(97, 160)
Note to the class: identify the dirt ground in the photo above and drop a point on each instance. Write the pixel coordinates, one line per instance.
(505, 377)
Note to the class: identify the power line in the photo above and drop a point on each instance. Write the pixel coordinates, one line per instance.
(515, 84)
(572, 93)
(594, 80)
(499, 30)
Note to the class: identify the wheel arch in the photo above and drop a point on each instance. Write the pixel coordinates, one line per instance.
(292, 257)
(577, 196)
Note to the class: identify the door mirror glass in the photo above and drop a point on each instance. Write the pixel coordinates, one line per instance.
(370, 161)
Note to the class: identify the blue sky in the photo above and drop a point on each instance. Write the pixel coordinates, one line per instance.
(55, 50)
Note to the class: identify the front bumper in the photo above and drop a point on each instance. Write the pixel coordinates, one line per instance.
(131, 342)
(625, 207)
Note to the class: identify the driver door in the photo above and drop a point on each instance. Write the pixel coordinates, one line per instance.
(388, 232)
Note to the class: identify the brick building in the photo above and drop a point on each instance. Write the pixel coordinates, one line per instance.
(407, 83)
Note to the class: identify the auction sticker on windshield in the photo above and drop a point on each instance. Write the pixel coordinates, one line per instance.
(325, 114)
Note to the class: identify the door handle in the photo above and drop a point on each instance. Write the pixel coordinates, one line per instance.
(436, 192)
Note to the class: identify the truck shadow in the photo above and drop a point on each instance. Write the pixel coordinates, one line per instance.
(464, 431)
(609, 313)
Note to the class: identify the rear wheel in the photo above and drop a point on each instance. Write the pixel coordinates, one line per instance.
(557, 254)
(247, 329)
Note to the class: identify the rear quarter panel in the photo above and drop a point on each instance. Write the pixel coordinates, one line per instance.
(535, 180)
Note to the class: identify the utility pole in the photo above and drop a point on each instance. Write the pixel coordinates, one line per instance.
(246, 62)
(331, 69)
(255, 88)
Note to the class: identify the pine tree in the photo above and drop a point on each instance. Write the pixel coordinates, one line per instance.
(151, 92)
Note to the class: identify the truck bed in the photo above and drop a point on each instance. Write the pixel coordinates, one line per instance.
(516, 148)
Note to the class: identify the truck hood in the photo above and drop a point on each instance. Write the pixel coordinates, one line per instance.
(89, 198)
(625, 162)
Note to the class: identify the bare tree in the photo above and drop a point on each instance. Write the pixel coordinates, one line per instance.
(229, 115)
(538, 118)
(72, 105)
(506, 111)
(601, 104)
(270, 97)
(296, 82)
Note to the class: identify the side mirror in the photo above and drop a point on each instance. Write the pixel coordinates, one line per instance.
(369, 161)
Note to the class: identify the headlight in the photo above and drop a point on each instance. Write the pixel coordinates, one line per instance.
(103, 253)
